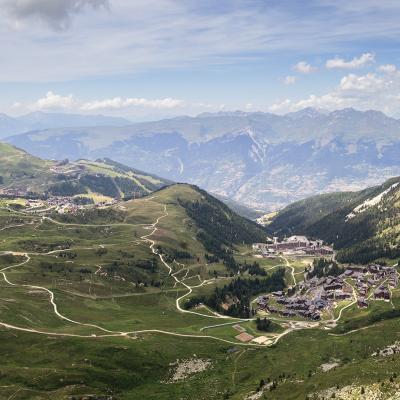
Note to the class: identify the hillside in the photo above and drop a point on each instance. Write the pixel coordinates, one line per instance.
(215, 227)
(363, 226)
(20, 168)
(24, 174)
(218, 226)
(131, 294)
(263, 160)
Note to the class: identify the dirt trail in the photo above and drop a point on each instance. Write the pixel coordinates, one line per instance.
(51, 294)
(109, 333)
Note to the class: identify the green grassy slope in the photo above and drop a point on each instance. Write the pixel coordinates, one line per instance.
(98, 180)
(100, 269)
(20, 168)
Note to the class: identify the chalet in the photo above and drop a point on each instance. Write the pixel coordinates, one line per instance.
(340, 295)
(393, 281)
(272, 309)
(333, 286)
(262, 301)
(357, 268)
(362, 292)
(320, 304)
(283, 300)
(315, 316)
(375, 268)
(287, 313)
(382, 293)
(362, 303)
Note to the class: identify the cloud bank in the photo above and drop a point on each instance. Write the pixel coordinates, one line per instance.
(56, 13)
(357, 62)
(56, 102)
(374, 90)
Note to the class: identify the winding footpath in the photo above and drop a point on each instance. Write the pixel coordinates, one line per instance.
(132, 334)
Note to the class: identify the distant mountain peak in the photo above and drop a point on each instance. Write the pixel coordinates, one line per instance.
(308, 112)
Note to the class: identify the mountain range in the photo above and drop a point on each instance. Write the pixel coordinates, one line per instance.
(41, 120)
(260, 159)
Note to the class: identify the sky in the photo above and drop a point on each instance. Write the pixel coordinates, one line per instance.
(150, 59)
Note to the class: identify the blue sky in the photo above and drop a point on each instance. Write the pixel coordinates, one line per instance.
(158, 58)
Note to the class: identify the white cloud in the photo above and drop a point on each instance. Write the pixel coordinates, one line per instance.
(388, 68)
(289, 80)
(362, 61)
(304, 68)
(281, 107)
(364, 92)
(54, 101)
(361, 83)
(120, 103)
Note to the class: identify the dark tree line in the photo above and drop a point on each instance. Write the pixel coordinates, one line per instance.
(129, 188)
(238, 293)
(368, 251)
(264, 324)
(67, 189)
(323, 267)
(220, 229)
(101, 184)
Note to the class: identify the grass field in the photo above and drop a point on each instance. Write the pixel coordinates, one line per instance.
(92, 309)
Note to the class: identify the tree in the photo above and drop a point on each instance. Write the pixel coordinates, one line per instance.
(263, 324)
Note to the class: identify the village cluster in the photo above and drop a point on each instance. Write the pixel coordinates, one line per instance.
(45, 202)
(316, 296)
(60, 204)
(294, 245)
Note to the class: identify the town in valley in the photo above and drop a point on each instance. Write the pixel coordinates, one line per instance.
(319, 294)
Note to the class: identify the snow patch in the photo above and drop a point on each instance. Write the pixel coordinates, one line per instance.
(370, 202)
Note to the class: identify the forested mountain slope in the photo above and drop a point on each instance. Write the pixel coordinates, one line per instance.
(214, 224)
(363, 226)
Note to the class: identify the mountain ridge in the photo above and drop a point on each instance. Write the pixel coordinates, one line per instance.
(263, 160)
(20, 172)
(38, 120)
